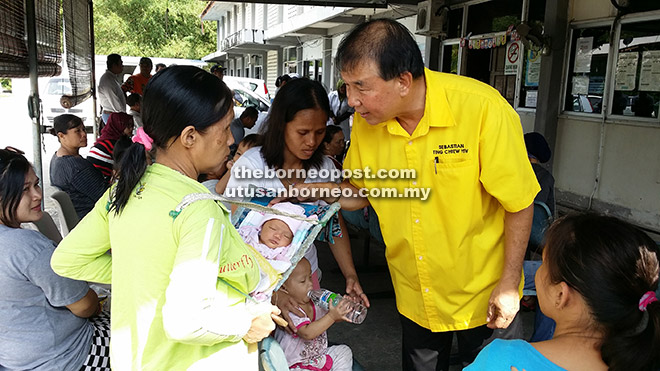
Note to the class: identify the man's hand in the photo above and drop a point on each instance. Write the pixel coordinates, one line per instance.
(503, 306)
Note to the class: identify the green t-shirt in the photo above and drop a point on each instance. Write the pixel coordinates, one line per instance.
(169, 309)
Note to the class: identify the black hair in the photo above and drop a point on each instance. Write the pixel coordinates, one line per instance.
(295, 96)
(160, 65)
(330, 132)
(112, 60)
(175, 98)
(611, 264)
(62, 123)
(133, 99)
(282, 79)
(386, 42)
(121, 145)
(13, 170)
(251, 140)
(250, 112)
(146, 60)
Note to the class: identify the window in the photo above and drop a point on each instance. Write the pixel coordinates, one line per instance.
(587, 70)
(493, 16)
(637, 71)
(450, 59)
(455, 23)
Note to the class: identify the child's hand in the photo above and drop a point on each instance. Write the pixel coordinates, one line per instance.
(338, 313)
(230, 163)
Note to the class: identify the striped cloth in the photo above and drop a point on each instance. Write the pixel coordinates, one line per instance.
(100, 155)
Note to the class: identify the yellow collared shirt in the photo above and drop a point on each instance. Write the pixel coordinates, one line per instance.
(446, 254)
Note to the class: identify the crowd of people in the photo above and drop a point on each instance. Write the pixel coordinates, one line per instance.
(183, 279)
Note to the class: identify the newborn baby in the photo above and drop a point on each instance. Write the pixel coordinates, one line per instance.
(273, 237)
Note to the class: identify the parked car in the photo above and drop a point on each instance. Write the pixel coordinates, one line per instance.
(256, 85)
(243, 98)
(50, 101)
(587, 103)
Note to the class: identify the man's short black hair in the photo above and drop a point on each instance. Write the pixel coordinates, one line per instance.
(250, 112)
(386, 42)
(146, 61)
(112, 60)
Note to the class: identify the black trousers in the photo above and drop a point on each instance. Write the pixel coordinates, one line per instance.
(424, 350)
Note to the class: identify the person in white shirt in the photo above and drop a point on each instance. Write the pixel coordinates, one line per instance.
(111, 96)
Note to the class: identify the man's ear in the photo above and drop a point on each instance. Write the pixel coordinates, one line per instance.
(405, 80)
(188, 136)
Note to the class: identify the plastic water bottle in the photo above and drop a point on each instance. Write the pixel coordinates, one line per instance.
(323, 298)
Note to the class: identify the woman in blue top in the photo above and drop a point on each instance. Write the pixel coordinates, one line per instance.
(43, 317)
(597, 281)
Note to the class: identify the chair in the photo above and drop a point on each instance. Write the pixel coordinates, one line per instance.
(66, 211)
(271, 356)
(47, 227)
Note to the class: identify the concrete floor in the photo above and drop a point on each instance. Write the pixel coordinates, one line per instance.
(376, 343)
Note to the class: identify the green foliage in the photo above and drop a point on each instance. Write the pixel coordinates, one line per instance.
(6, 85)
(154, 28)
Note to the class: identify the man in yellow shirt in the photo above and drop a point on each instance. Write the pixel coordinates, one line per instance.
(456, 257)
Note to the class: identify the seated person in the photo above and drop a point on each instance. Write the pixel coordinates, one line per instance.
(134, 102)
(44, 317)
(597, 282)
(100, 155)
(539, 153)
(69, 171)
(308, 348)
(273, 237)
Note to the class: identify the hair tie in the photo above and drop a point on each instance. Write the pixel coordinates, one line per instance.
(142, 138)
(647, 299)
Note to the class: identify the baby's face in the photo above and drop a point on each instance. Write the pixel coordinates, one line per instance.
(275, 233)
(299, 282)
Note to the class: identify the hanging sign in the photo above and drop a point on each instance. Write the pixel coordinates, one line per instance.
(533, 70)
(649, 75)
(513, 57)
(583, 50)
(626, 71)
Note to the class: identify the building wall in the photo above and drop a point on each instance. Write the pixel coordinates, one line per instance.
(608, 164)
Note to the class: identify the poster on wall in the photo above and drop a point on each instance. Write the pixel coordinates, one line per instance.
(533, 69)
(626, 71)
(649, 76)
(513, 57)
(580, 85)
(530, 98)
(583, 49)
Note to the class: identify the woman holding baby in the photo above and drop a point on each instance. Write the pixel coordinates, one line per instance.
(292, 142)
(169, 308)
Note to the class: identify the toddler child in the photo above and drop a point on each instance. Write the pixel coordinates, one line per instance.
(248, 142)
(308, 349)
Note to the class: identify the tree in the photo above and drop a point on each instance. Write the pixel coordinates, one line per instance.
(154, 28)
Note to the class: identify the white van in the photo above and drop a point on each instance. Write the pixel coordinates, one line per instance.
(256, 85)
(50, 101)
(243, 98)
